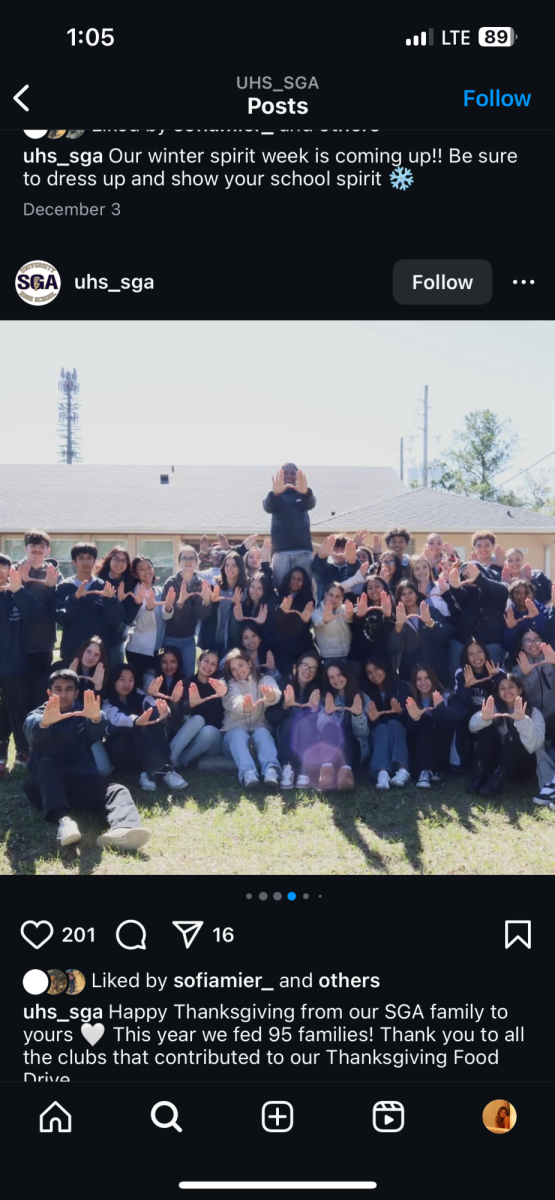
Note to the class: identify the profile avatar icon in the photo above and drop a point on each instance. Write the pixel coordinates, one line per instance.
(56, 133)
(75, 133)
(58, 982)
(499, 1116)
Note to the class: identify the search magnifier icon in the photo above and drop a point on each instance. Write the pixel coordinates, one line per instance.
(166, 1124)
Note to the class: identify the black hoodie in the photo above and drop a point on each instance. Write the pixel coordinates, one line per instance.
(40, 633)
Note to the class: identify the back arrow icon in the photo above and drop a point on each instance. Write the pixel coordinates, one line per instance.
(20, 93)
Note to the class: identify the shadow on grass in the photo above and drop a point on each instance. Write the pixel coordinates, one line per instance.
(396, 816)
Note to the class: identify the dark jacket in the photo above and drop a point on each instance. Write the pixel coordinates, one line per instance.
(69, 741)
(290, 529)
(550, 625)
(184, 620)
(477, 610)
(451, 714)
(472, 697)
(422, 645)
(400, 691)
(213, 712)
(293, 636)
(326, 572)
(40, 634)
(91, 615)
(17, 610)
(370, 635)
(543, 587)
(524, 624)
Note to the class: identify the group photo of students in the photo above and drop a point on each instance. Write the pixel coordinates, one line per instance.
(295, 664)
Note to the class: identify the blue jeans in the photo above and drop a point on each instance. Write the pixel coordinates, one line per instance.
(194, 739)
(101, 759)
(236, 746)
(284, 561)
(496, 654)
(188, 650)
(388, 746)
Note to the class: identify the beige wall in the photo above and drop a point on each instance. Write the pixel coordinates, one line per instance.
(533, 545)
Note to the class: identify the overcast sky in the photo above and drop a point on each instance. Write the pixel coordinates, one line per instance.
(264, 392)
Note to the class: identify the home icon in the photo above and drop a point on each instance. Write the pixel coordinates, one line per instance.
(55, 1119)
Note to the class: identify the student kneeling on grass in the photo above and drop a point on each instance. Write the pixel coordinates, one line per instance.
(387, 714)
(510, 736)
(137, 738)
(434, 716)
(245, 704)
(62, 770)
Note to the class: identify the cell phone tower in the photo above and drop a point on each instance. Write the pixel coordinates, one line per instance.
(68, 416)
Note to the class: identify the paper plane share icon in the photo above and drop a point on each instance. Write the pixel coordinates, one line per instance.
(189, 929)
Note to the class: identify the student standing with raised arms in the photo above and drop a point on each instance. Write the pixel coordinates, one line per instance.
(289, 502)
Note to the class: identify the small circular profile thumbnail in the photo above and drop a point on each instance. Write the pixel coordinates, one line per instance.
(58, 982)
(499, 1116)
(75, 982)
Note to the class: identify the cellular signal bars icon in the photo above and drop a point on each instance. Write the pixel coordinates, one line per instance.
(421, 39)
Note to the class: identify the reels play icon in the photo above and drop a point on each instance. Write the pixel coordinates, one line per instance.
(388, 1116)
(38, 283)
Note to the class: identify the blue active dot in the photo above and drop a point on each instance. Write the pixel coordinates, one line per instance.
(291, 895)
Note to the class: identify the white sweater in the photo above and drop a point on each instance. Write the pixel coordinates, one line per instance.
(237, 689)
(531, 730)
(334, 638)
(144, 631)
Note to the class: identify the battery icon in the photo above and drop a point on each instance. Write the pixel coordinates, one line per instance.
(496, 35)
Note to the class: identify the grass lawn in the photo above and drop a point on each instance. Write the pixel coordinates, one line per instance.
(215, 828)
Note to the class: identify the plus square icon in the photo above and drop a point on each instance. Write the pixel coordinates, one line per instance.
(277, 1116)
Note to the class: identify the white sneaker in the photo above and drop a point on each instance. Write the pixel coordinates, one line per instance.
(303, 781)
(68, 832)
(124, 839)
(400, 778)
(546, 796)
(271, 777)
(383, 780)
(425, 779)
(251, 779)
(147, 784)
(287, 777)
(174, 781)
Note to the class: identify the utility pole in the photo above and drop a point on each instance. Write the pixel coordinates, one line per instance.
(68, 416)
(401, 459)
(425, 455)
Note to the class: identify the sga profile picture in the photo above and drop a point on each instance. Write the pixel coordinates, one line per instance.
(38, 283)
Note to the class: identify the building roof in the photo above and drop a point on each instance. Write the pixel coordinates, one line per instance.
(197, 499)
(206, 499)
(428, 509)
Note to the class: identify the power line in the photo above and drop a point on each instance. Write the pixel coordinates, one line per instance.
(523, 472)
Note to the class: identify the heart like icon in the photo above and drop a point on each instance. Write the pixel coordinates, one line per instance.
(36, 925)
(92, 1033)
